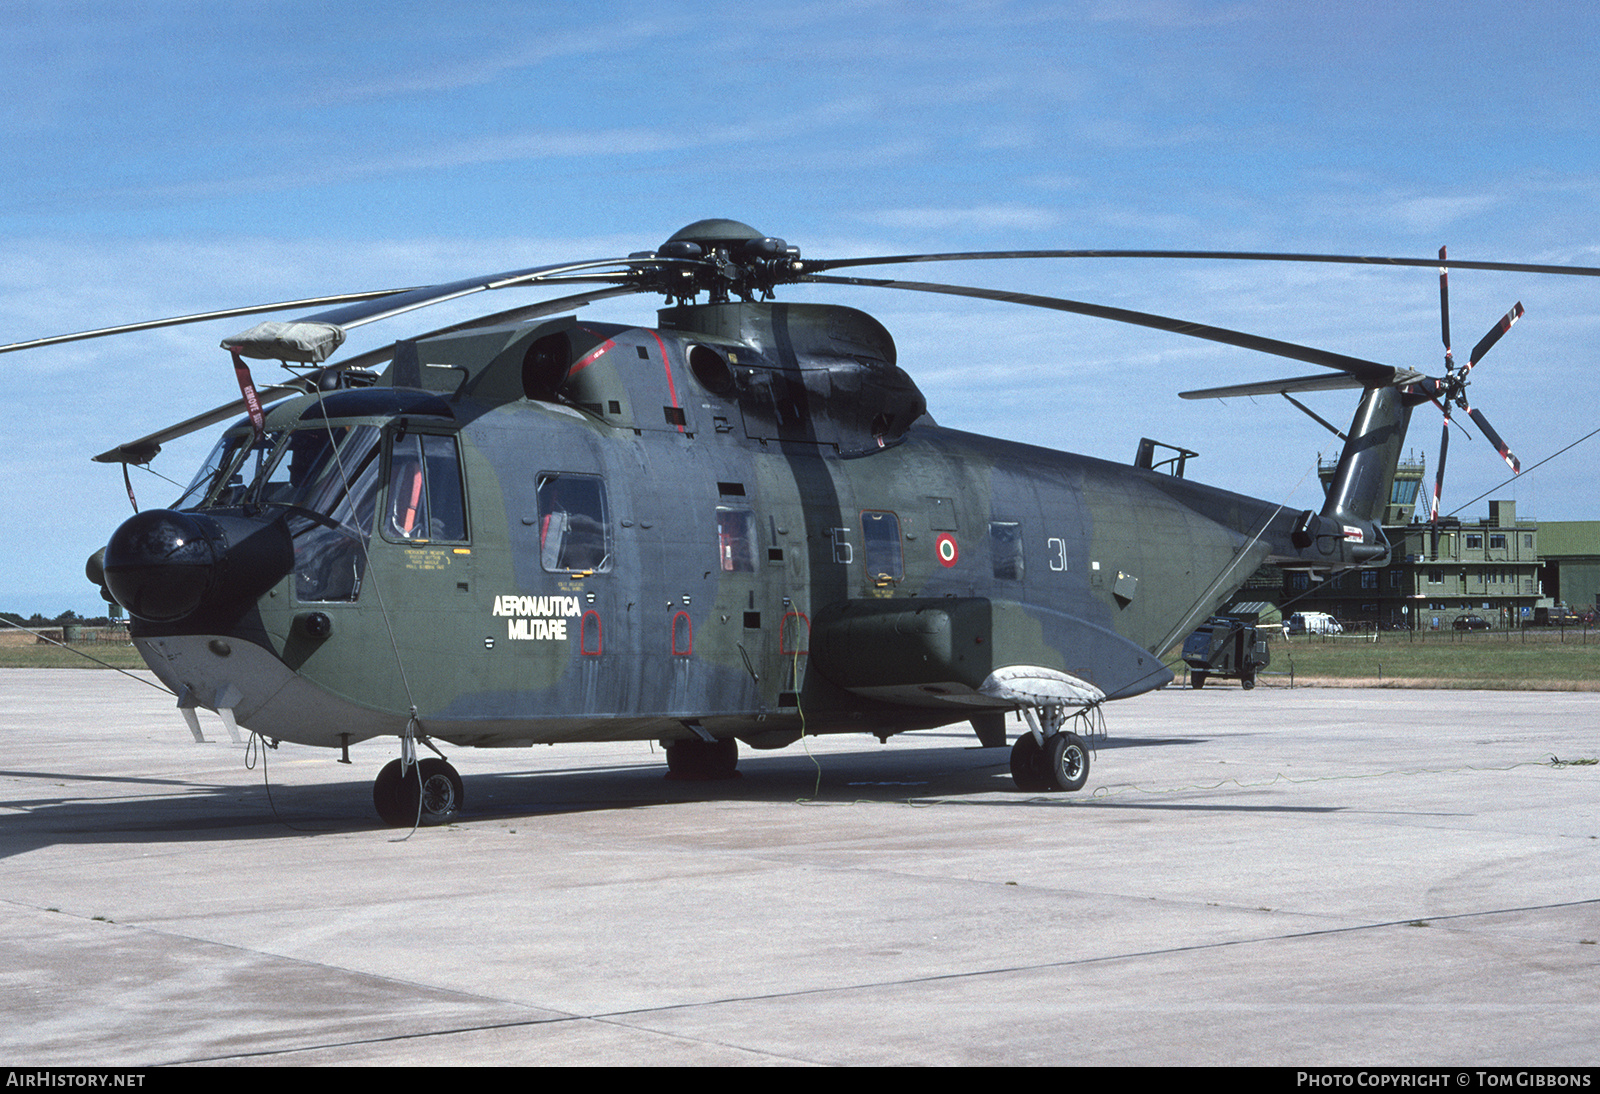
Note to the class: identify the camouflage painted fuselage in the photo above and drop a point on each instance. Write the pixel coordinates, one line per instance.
(777, 533)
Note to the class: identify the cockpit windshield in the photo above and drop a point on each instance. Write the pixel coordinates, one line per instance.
(315, 467)
(325, 475)
(236, 460)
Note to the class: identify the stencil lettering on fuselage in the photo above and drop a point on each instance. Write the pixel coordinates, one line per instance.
(536, 618)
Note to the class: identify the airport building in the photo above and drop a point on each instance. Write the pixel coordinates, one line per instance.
(1570, 563)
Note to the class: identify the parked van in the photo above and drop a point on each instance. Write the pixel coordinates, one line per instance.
(1314, 623)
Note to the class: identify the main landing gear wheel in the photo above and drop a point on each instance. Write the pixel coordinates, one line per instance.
(1067, 762)
(435, 783)
(1027, 765)
(1062, 764)
(1197, 679)
(695, 760)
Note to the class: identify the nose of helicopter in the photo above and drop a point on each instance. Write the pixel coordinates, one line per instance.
(164, 566)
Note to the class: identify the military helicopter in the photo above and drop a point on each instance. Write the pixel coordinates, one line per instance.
(740, 524)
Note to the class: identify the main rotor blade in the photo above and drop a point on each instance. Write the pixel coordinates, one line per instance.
(820, 264)
(201, 317)
(356, 315)
(554, 306)
(1370, 373)
(512, 315)
(145, 448)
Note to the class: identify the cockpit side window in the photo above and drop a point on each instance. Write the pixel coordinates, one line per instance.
(426, 503)
(574, 530)
(330, 516)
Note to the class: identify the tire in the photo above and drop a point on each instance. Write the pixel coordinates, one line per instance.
(386, 797)
(1197, 680)
(1027, 765)
(702, 761)
(395, 797)
(1248, 682)
(1067, 766)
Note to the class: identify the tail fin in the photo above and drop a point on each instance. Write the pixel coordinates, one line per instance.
(1349, 530)
(1364, 478)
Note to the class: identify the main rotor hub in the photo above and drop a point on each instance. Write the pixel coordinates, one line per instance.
(723, 258)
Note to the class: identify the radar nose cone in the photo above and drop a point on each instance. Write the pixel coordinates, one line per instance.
(160, 564)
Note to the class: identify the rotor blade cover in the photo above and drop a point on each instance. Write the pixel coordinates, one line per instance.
(297, 340)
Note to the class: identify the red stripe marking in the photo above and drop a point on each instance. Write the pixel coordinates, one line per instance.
(591, 357)
(672, 389)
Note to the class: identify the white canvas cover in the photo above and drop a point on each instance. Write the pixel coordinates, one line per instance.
(296, 340)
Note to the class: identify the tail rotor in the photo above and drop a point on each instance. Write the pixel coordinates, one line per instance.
(1450, 391)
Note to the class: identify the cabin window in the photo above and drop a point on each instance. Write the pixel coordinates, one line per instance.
(1005, 549)
(1497, 541)
(880, 535)
(426, 502)
(736, 540)
(574, 532)
(1474, 542)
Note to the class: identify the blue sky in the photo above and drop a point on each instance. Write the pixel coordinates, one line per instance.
(165, 157)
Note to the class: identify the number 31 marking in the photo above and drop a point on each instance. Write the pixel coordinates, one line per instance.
(1058, 553)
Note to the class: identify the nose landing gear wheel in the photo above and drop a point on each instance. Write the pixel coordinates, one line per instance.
(435, 785)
